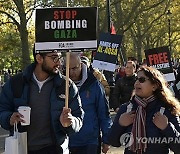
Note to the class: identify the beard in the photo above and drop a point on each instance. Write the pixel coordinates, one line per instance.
(48, 70)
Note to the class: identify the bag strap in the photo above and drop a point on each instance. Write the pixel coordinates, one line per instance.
(61, 88)
(175, 90)
(15, 130)
(17, 83)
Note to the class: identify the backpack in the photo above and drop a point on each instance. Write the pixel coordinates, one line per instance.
(17, 84)
(176, 92)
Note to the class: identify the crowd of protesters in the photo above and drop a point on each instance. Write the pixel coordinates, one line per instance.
(136, 92)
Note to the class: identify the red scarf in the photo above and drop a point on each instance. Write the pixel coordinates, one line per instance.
(139, 129)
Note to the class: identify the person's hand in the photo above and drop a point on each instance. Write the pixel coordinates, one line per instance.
(66, 117)
(126, 118)
(16, 117)
(105, 148)
(161, 121)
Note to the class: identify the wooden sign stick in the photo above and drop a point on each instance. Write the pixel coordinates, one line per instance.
(67, 79)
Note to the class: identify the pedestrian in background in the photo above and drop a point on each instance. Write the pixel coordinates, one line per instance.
(124, 86)
(99, 75)
(95, 106)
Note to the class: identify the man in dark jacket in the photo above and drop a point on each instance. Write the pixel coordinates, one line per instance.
(95, 106)
(124, 86)
(50, 123)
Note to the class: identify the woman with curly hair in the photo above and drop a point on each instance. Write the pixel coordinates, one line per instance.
(150, 120)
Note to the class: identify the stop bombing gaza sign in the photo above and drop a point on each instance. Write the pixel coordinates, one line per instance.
(160, 59)
(66, 28)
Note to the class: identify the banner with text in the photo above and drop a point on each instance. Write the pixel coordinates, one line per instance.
(107, 51)
(66, 28)
(160, 59)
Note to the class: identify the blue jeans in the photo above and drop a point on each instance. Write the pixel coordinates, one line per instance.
(87, 149)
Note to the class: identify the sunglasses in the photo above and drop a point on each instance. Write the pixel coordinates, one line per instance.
(142, 79)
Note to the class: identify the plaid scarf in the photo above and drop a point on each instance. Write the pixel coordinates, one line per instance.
(138, 129)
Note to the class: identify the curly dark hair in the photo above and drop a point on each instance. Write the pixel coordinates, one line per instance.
(162, 92)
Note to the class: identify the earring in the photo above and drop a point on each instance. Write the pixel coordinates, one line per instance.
(154, 88)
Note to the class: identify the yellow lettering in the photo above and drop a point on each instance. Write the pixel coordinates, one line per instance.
(100, 49)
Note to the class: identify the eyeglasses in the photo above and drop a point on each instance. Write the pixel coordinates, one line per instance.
(142, 79)
(55, 58)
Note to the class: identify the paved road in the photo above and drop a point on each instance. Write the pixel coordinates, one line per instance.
(4, 134)
(116, 151)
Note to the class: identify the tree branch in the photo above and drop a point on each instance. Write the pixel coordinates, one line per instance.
(154, 5)
(150, 26)
(131, 24)
(132, 12)
(31, 11)
(3, 23)
(11, 17)
(2, 1)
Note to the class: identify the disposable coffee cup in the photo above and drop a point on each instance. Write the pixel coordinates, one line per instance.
(25, 111)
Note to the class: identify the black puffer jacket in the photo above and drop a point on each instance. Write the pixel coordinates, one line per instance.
(122, 91)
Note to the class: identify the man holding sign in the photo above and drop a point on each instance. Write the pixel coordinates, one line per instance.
(43, 90)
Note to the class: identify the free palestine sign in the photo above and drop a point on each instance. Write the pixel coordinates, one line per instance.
(160, 59)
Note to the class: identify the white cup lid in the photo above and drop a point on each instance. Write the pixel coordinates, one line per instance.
(24, 107)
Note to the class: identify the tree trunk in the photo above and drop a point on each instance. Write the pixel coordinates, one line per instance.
(23, 33)
(24, 36)
(123, 55)
(139, 49)
(25, 47)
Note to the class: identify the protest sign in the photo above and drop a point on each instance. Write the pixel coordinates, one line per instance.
(160, 58)
(107, 51)
(66, 28)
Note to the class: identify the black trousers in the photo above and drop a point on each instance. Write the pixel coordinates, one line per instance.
(87, 149)
(46, 150)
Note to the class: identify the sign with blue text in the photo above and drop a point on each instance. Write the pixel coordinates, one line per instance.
(66, 28)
